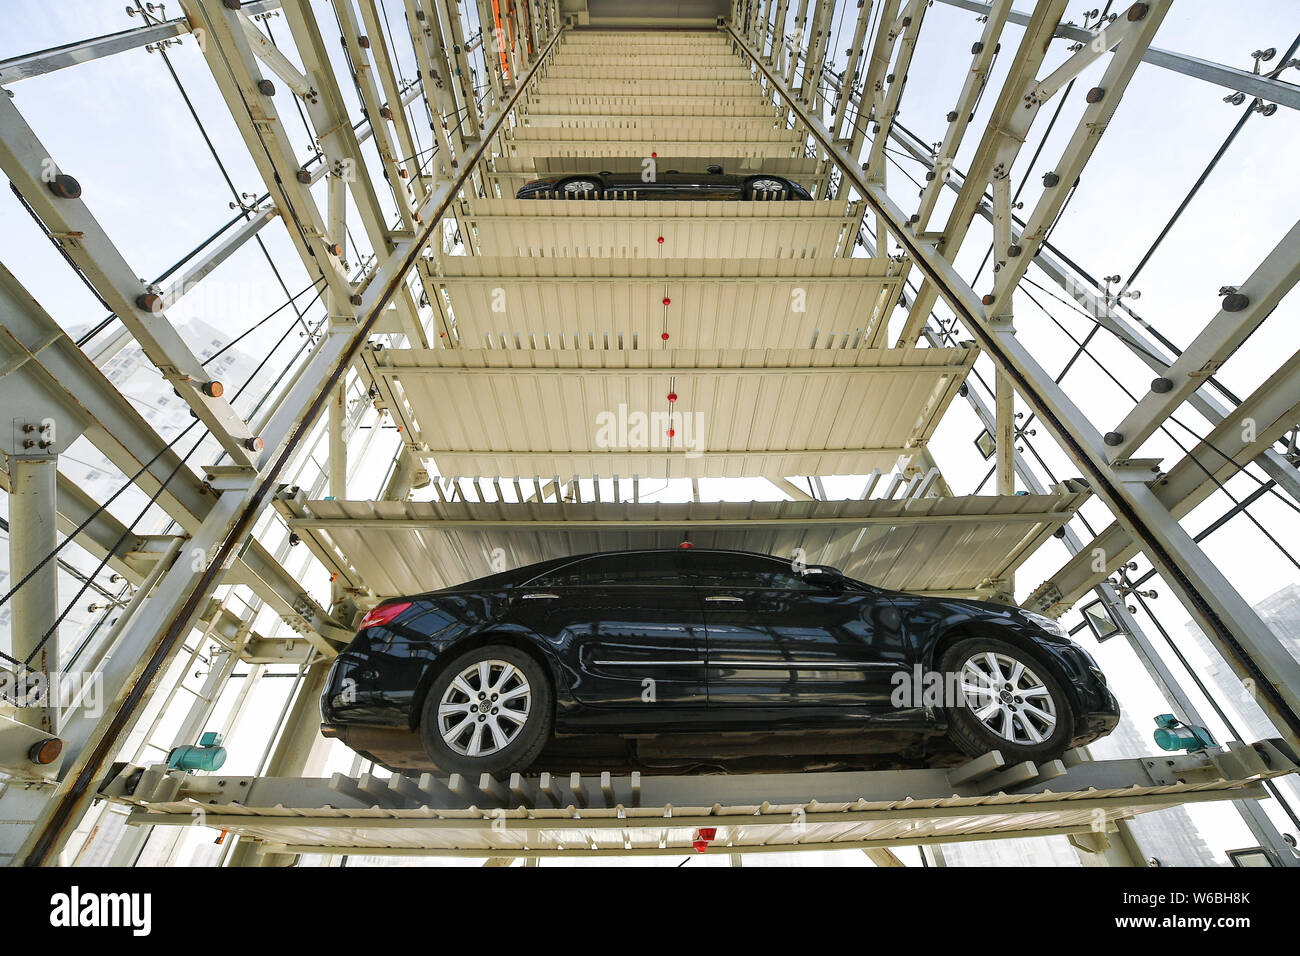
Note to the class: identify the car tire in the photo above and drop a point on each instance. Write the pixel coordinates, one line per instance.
(769, 187)
(993, 716)
(580, 187)
(452, 728)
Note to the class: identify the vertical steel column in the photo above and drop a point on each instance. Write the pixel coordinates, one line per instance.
(854, 54)
(338, 443)
(467, 126)
(33, 535)
(338, 446)
(491, 49)
(358, 46)
(532, 12)
(818, 38)
(959, 118)
(882, 49)
(887, 101)
(796, 48)
(386, 66)
(1004, 392)
(426, 38)
(776, 58)
(1005, 404)
(759, 28)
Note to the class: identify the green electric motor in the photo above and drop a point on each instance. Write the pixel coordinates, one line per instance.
(208, 755)
(1173, 734)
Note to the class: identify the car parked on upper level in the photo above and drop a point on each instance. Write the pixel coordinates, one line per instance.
(712, 183)
(697, 658)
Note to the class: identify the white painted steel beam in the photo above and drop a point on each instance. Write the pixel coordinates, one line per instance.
(31, 169)
(1263, 290)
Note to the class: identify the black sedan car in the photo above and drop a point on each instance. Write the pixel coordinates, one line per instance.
(694, 659)
(713, 183)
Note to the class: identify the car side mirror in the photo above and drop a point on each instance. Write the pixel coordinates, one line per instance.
(829, 578)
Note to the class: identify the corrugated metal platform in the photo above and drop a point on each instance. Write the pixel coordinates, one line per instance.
(524, 302)
(548, 410)
(633, 229)
(955, 546)
(639, 815)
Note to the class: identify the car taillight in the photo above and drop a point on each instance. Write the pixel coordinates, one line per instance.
(382, 614)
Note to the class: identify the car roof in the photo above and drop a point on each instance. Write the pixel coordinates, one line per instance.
(518, 576)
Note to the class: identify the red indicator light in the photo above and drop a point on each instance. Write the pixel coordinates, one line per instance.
(703, 837)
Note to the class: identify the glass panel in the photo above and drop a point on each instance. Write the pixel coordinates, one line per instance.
(640, 568)
(720, 569)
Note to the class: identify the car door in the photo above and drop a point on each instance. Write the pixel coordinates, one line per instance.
(661, 185)
(628, 629)
(777, 641)
(701, 185)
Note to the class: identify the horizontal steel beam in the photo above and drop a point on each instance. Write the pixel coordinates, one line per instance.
(530, 524)
(1266, 88)
(1213, 345)
(39, 350)
(81, 237)
(28, 65)
(1092, 301)
(1272, 410)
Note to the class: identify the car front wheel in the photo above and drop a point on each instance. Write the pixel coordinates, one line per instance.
(488, 711)
(580, 189)
(1007, 700)
(765, 187)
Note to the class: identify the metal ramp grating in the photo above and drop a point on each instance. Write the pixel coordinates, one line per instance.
(551, 815)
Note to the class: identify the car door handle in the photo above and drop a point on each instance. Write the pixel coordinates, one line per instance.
(724, 598)
(539, 596)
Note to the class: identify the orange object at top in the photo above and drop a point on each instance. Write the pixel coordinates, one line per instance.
(501, 49)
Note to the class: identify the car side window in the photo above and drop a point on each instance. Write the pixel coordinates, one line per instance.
(630, 569)
(565, 576)
(786, 580)
(744, 571)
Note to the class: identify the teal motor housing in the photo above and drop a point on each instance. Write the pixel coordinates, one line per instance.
(1173, 734)
(208, 755)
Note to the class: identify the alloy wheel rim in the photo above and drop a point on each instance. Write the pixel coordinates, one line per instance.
(1008, 698)
(484, 708)
(767, 185)
(580, 186)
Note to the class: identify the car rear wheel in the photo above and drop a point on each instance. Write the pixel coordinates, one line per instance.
(766, 187)
(584, 187)
(488, 711)
(1007, 700)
